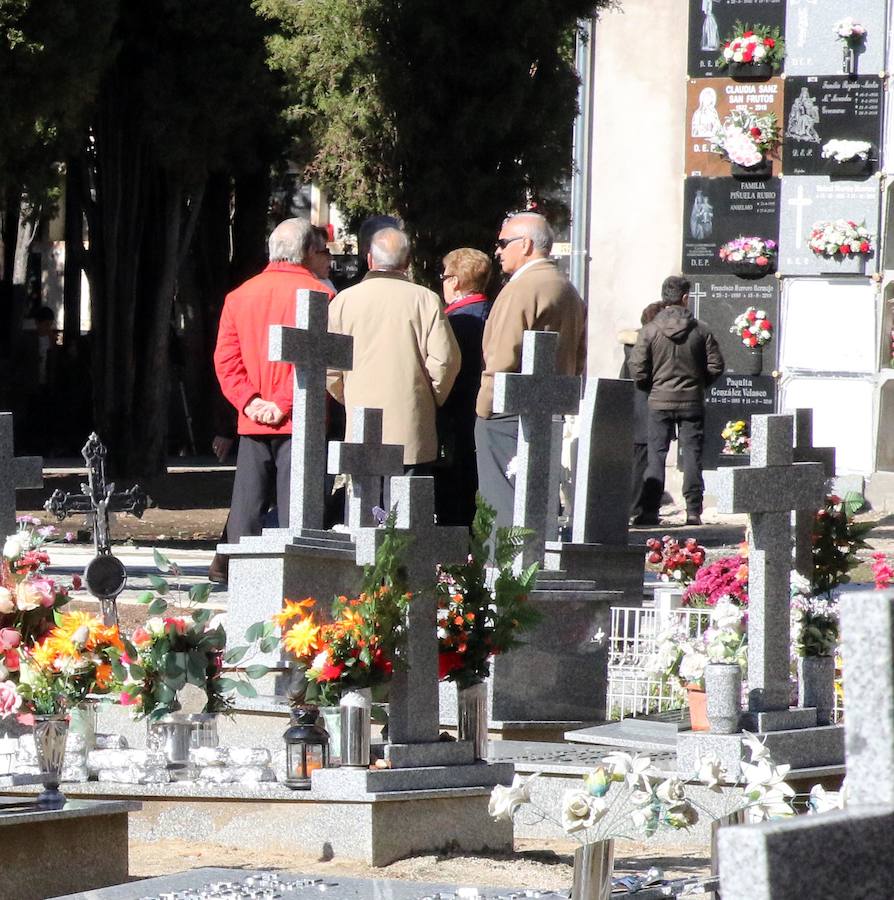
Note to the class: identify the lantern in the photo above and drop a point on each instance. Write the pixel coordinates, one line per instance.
(307, 747)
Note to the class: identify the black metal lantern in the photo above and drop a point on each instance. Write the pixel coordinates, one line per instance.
(307, 747)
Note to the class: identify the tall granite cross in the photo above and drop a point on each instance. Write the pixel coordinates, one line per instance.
(413, 699)
(768, 490)
(367, 460)
(841, 855)
(15, 472)
(311, 349)
(535, 395)
(804, 451)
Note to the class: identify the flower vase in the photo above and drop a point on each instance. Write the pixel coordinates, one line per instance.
(593, 865)
(82, 720)
(758, 172)
(848, 60)
(698, 712)
(755, 361)
(331, 716)
(203, 730)
(750, 71)
(471, 717)
(172, 735)
(850, 168)
(723, 693)
(816, 686)
(355, 708)
(747, 269)
(50, 735)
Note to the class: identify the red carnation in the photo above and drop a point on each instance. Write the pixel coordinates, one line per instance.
(864, 247)
(755, 132)
(752, 315)
(769, 42)
(331, 672)
(747, 55)
(747, 33)
(448, 661)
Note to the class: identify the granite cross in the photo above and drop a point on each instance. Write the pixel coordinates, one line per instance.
(413, 701)
(768, 490)
(535, 395)
(311, 349)
(366, 459)
(15, 472)
(804, 451)
(771, 860)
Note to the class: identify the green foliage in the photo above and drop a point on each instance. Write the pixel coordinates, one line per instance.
(836, 539)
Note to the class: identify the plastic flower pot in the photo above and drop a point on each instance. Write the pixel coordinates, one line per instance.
(747, 269)
(749, 71)
(761, 171)
(850, 168)
(698, 708)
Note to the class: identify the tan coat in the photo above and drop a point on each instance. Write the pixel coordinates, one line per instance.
(405, 358)
(540, 299)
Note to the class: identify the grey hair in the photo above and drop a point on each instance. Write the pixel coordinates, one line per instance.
(291, 241)
(390, 249)
(535, 227)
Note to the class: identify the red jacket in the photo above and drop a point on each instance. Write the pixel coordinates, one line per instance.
(240, 358)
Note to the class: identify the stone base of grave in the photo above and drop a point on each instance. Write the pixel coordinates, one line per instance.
(559, 675)
(276, 565)
(376, 829)
(802, 748)
(613, 567)
(81, 847)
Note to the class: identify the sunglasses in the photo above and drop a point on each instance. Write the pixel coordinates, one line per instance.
(445, 275)
(503, 243)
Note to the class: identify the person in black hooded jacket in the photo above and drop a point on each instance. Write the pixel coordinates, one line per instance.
(674, 359)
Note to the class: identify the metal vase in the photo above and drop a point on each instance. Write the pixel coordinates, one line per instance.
(816, 686)
(331, 716)
(755, 361)
(471, 717)
(355, 708)
(50, 735)
(203, 730)
(171, 735)
(723, 692)
(848, 60)
(593, 865)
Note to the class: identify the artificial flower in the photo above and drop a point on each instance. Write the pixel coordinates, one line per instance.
(581, 811)
(504, 801)
(302, 638)
(10, 699)
(710, 771)
(598, 782)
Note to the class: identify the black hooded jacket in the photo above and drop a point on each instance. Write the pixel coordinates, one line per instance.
(675, 358)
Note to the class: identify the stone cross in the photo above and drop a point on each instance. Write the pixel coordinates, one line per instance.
(804, 451)
(535, 395)
(602, 485)
(15, 472)
(768, 490)
(413, 701)
(765, 862)
(366, 459)
(311, 349)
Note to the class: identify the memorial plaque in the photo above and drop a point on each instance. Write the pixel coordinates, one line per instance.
(717, 210)
(812, 199)
(709, 101)
(730, 398)
(819, 109)
(811, 44)
(718, 299)
(711, 22)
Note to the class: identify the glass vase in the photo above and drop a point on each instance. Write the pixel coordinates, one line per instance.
(355, 708)
(471, 717)
(593, 865)
(50, 735)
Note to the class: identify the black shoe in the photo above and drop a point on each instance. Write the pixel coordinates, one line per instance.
(218, 571)
(644, 519)
(693, 519)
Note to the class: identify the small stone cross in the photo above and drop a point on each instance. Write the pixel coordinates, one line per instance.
(535, 395)
(768, 490)
(311, 349)
(15, 472)
(366, 459)
(413, 701)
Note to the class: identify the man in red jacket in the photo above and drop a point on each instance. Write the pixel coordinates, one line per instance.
(261, 390)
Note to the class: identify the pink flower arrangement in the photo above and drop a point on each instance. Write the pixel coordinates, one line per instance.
(727, 577)
(679, 562)
(756, 250)
(882, 572)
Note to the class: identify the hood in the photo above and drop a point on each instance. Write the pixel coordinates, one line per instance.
(674, 322)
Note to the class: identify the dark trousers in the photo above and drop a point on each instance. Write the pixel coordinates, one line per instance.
(638, 477)
(496, 443)
(689, 427)
(263, 469)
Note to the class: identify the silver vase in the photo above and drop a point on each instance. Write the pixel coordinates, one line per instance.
(203, 730)
(816, 686)
(50, 735)
(331, 716)
(723, 693)
(172, 735)
(593, 865)
(355, 708)
(471, 717)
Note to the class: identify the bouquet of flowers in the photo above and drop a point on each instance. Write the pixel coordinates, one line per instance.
(849, 31)
(726, 577)
(744, 138)
(836, 540)
(475, 621)
(815, 620)
(842, 151)
(840, 237)
(679, 562)
(759, 251)
(735, 438)
(752, 327)
(752, 46)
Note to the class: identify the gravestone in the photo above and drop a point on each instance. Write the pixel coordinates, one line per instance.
(367, 460)
(729, 399)
(842, 855)
(809, 200)
(16, 472)
(535, 395)
(718, 210)
(811, 45)
(819, 109)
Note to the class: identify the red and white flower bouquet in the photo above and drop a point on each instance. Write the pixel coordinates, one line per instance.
(839, 237)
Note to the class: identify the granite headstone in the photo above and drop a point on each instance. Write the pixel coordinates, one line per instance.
(16, 472)
(733, 398)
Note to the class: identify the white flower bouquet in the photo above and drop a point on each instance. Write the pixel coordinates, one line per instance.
(839, 237)
(845, 151)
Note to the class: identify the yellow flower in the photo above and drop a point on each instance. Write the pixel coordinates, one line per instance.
(70, 623)
(294, 609)
(43, 655)
(302, 638)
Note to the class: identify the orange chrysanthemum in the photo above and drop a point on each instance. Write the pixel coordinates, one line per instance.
(72, 622)
(43, 655)
(302, 638)
(103, 676)
(293, 609)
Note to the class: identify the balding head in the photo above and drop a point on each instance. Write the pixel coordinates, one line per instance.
(524, 238)
(389, 251)
(291, 241)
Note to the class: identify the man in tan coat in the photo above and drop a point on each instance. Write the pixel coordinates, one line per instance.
(405, 355)
(537, 297)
